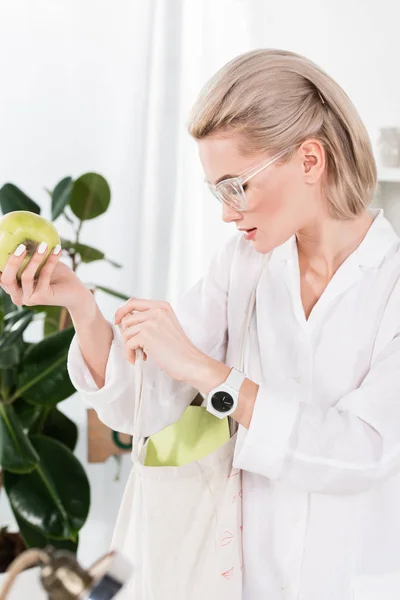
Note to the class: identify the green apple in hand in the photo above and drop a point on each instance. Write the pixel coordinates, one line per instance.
(24, 227)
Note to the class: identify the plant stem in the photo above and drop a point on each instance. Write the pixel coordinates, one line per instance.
(78, 232)
(37, 426)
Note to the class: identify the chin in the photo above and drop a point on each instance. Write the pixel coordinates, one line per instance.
(262, 246)
(264, 243)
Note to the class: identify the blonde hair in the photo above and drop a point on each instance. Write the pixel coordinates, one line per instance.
(277, 99)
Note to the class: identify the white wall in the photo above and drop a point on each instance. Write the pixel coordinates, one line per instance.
(73, 79)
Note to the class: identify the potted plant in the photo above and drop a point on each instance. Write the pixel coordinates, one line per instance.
(46, 485)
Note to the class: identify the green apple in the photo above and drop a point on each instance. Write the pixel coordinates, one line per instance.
(24, 227)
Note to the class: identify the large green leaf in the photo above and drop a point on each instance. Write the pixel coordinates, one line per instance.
(43, 377)
(16, 451)
(46, 420)
(12, 345)
(36, 539)
(50, 347)
(55, 497)
(28, 414)
(12, 316)
(52, 315)
(12, 198)
(90, 196)
(10, 357)
(52, 320)
(112, 292)
(61, 428)
(6, 302)
(87, 253)
(60, 197)
(16, 329)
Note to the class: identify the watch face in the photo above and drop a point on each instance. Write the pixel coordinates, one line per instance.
(222, 401)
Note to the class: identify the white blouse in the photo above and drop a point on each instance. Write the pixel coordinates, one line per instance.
(321, 459)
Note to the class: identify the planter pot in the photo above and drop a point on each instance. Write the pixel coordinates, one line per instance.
(11, 546)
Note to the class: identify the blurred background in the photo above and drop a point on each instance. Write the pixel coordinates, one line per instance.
(106, 87)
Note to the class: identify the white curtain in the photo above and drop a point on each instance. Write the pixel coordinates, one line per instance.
(180, 224)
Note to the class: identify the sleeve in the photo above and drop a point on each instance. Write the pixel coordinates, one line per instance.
(202, 312)
(344, 449)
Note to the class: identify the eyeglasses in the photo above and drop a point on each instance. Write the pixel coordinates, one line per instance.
(231, 191)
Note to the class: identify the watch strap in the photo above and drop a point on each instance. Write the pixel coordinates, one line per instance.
(235, 379)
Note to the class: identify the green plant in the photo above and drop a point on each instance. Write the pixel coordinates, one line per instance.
(46, 485)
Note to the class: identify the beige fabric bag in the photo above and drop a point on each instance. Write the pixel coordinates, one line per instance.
(180, 527)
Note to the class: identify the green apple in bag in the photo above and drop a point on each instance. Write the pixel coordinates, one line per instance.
(24, 227)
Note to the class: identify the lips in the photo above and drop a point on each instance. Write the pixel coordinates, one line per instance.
(250, 234)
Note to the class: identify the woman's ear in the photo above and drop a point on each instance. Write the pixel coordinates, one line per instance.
(312, 155)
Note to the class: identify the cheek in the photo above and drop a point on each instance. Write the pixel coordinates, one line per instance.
(271, 201)
(278, 215)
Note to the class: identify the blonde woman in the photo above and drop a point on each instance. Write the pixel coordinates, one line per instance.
(285, 152)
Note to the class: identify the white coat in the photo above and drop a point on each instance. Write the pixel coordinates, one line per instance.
(321, 459)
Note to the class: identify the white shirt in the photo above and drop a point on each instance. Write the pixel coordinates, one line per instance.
(321, 459)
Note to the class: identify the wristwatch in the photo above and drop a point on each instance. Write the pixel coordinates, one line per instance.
(223, 400)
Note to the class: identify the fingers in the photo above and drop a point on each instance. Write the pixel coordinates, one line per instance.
(22, 294)
(28, 283)
(130, 320)
(47, 271)
(9, 281)
(140, 305)
(131, 355)
(129, 323)
(130, 328)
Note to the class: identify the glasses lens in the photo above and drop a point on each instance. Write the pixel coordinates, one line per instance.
(232, 193)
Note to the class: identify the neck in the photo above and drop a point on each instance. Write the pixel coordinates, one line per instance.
(325, 244)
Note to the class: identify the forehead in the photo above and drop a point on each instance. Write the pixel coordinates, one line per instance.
(220, 156)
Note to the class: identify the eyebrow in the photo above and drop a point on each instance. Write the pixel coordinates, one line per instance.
(227, 176)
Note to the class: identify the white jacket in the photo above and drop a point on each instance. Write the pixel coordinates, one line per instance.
(321, 459)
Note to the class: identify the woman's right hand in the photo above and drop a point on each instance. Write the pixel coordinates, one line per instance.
(57, 284)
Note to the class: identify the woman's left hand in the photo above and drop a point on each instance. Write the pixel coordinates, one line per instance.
(155, 328)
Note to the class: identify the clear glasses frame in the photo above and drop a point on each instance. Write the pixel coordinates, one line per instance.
(231, 190)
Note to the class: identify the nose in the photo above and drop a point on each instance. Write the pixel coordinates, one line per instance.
(229, 214)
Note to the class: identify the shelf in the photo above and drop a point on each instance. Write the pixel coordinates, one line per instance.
(388, 174)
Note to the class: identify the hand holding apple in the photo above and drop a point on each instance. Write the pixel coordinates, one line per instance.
(31, 271)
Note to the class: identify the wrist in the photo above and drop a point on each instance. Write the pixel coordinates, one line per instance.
(247, 399)
(208, 373)
(85, 308)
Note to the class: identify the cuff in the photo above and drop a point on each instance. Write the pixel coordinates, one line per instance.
(118, 374)
(263, 447)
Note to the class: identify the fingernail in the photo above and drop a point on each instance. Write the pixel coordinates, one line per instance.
(57, 249)
(42, 248)
(20, 250)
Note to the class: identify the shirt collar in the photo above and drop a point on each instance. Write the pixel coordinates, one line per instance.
(377, 242)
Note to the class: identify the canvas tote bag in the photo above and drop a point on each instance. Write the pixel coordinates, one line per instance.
(180, 527)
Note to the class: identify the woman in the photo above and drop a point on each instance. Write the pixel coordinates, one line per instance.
(286, 153)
